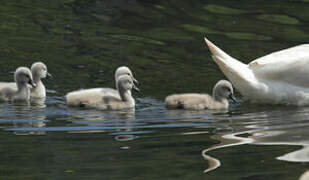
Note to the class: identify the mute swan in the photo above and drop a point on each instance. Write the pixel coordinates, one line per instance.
(221, 91)
(22, 77)
(39, 71)
(281, 77)
(102, 98)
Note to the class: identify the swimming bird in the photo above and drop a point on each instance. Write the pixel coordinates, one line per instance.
(39, 71)
(194, 101)
(104, 98)
(23, 79)
(281, 77)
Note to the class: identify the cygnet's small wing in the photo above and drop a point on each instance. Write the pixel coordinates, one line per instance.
(192, 101)
(11, 85)
(90, 97)
(286, 66)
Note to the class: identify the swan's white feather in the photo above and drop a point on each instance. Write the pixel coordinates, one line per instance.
(278, 78)
(289, 66)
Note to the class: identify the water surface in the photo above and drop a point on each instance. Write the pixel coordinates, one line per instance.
(83, 42)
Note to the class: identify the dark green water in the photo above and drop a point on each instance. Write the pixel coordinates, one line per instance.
(84, 41)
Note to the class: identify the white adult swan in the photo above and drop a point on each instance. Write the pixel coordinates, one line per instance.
(101, 98)
(193, 101)
(23, 79)
(39, 71)
(281, 77)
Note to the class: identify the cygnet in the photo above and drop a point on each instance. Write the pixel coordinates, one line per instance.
(105, 98)
(194, 101)
(23, 79)
(39, 71)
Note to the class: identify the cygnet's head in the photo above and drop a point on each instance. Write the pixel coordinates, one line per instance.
(39, 70)
(222, 90)
(123, 70)
(23, 75)
(125, 83)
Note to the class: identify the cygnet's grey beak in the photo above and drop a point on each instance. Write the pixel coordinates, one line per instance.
(135, 88)
(49, 75)
(32, 83)
(231, 96)
(135, 81)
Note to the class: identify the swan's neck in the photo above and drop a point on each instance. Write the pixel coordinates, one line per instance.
(36, 78)
(21, 86)
(222, 104)
(237, 72)
(116, 83)
(23, 91)
(39, 90)
(126, 96)
(218, 98)
(216, 94)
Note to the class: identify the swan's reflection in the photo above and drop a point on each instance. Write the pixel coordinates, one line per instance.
(290, 129)
(278, 126)
(20, 116)
(119, 123)
(38, 102)
(35, 122)
(205, 118)
(226, 140)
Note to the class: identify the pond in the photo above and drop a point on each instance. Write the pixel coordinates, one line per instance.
(84, 41)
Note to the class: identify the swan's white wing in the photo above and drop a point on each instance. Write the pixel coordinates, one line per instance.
(287, 66)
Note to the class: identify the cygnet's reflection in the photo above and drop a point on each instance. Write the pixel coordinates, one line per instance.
(23, 118)
(35, 122)
(119, 123)
(38, 102)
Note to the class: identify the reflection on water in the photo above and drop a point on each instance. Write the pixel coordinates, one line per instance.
(83, 42)
(22, 115)
(273, 126)
(39, 102)
(243, 124)
(38, 122)
(226, 140)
